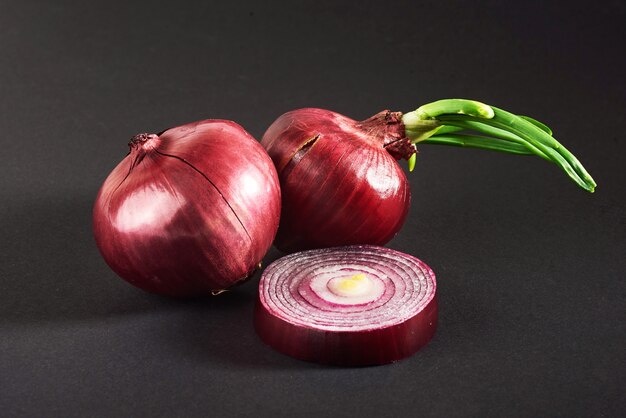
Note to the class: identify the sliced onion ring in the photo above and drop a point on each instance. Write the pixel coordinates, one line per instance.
(350, 306)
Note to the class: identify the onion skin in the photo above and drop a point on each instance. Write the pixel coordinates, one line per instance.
(190, 211)
(339, 178)
(345, 348)
(287, 321)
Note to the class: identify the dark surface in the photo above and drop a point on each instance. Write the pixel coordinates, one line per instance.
(530, 268)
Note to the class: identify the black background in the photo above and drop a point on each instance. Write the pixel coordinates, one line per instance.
(530, 267)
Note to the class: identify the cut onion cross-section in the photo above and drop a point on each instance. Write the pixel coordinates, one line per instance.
(348, 306)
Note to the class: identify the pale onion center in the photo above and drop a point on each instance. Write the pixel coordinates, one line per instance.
(350, 286)
(347, 288)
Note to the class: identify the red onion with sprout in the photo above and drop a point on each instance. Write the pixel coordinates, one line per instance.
(190, 211)
(341, 183)
(350, 306)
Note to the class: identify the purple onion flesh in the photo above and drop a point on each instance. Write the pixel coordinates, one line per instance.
(348, 306)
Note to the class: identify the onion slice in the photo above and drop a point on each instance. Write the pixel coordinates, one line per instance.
(349, 306)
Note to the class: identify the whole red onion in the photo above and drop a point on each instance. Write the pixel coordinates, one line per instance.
(339, 177)
(190, 211)
(351, 306)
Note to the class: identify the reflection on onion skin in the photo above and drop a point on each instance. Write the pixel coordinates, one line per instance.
(190, 211)
(340, 181)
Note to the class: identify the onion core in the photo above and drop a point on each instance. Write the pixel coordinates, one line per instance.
(352, 306)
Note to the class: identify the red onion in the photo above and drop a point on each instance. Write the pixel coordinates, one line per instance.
(190, 211)
(340, 184)
(351, 306)
(340, 180)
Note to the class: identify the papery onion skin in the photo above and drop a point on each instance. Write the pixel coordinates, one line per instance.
(304, 337)
(190, 211)
(340, 180)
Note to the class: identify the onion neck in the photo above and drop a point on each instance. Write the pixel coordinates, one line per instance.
(141, 144)
(144, 141)
(490, 128)
(387, 128)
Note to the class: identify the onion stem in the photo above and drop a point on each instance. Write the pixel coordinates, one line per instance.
(473, 141)
(489, 133)
(502, 130)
